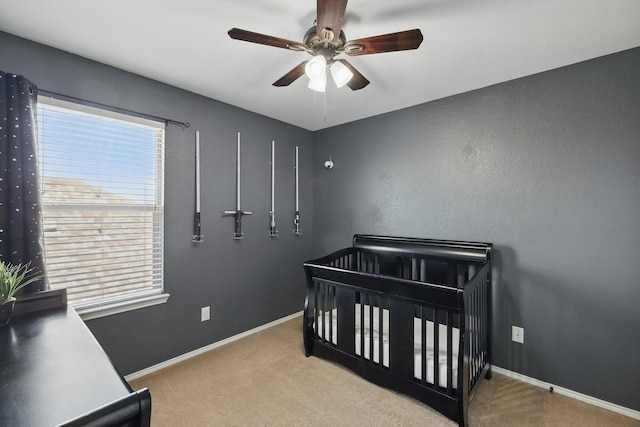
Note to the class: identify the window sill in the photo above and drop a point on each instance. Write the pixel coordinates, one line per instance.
(88, 313)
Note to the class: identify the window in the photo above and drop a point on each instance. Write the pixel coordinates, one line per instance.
(102, 196)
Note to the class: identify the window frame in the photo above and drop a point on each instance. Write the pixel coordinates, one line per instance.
(105, 307)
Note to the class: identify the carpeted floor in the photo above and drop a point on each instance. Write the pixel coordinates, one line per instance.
(265, 380)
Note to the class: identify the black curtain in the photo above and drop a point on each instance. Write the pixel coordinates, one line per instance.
(20, 204)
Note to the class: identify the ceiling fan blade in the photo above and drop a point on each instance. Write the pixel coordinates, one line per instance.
(404, 40)
(292, 75)
(250, 36)
(330, 16)
(358, 81)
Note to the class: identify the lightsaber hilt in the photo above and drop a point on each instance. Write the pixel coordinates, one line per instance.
(238, 234)
(197, 229)
(296, 222)
(272, 224)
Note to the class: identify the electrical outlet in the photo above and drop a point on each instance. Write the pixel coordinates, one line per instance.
(205, 313)
(517, 334)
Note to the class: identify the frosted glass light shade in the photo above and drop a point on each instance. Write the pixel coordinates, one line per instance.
(316, 67)
(340, 74)
(316, 70)
(319, 84)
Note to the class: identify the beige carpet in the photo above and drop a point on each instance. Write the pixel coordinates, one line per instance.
(265, 380)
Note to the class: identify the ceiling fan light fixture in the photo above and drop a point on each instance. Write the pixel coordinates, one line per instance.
(316, 67)
(318, 84)
(316, 70)
(340, 74)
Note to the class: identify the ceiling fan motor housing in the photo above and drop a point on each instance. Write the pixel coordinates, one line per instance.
(324, 47)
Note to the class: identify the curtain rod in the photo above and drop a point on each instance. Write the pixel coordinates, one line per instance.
(183, 125)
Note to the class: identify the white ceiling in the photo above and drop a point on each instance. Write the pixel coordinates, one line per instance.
(468, 44)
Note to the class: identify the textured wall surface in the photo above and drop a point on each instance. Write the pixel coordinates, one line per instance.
(247, 283)
(547, 168)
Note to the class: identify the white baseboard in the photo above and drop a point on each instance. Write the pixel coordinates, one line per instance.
(570, 393)
(209, 347)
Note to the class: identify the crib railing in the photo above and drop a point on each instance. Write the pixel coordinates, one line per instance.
(419, 268)
(477, 314)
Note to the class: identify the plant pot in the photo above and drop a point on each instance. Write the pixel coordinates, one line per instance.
(6, 308)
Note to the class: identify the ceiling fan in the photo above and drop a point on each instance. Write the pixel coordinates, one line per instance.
(325, 41)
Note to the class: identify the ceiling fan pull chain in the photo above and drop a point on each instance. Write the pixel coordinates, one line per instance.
(324, 109)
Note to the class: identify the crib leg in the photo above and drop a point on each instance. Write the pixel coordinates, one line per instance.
(307, 349)
(487, 374)
(307, 332)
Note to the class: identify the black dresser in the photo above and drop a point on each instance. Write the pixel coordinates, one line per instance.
(53, 372)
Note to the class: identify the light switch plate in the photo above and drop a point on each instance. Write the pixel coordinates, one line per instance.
(205, 313)
(517, 334)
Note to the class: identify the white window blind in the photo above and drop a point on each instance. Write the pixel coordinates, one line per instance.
(102, 194)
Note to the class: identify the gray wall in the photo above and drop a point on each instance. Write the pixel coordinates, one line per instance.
(547, 168)
(247, 283)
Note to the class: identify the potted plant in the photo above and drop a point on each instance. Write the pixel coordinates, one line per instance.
(12, 279)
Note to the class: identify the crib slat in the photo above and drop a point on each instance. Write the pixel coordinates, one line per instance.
(370, 302)
(470, 326)
(423, 351)
(477, 332)
(436, 348)
(485, 320)
(401, 354)
(316, 311)
(345, 303)
(474, 334)
(323, 310)
(471, 323)
(331, 297)
(473, 317)
(451, 274)
(481, 305)
(478, 325)
(449, 353)
(381, 333)
(474, 331)
(362, 303)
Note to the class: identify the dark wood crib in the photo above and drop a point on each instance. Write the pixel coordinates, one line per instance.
(412, 315)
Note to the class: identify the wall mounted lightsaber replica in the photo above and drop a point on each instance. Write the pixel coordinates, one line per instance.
(272, 213)
(197, 226)
(238, 213)
(296, 220)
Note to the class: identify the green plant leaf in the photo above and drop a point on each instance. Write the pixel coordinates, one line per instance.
(15, 277)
